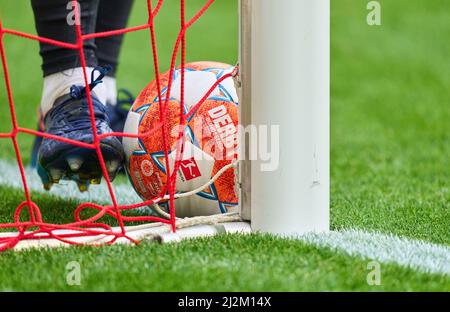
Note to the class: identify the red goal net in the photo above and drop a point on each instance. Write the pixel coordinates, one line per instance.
(32, 226)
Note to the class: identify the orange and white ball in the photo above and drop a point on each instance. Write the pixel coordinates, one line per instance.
(210, 140)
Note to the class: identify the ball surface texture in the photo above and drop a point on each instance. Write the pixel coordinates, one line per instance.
(210, 139)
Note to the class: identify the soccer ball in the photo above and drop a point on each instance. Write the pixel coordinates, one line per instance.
(210, 140)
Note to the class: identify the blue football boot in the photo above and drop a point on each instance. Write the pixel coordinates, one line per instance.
(117, 115)
(70, 118)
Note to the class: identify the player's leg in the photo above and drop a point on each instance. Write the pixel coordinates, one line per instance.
(64, 106)
(113, 15)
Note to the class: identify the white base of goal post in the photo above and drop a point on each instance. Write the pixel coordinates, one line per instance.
(188, 228)
(284, 83)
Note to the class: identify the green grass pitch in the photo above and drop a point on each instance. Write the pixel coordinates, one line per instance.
(390, 149)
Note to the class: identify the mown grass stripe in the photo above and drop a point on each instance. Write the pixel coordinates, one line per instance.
(10, 176)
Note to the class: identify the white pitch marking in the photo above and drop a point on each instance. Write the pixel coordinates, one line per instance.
(414, 254)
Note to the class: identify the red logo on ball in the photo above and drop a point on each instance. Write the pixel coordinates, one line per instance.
(189, 168)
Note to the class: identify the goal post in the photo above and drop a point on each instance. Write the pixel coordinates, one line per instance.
(284, 97)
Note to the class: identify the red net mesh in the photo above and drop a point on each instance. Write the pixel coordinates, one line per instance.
(36, 227)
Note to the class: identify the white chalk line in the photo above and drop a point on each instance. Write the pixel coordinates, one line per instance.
(418, 255)
(10, 176)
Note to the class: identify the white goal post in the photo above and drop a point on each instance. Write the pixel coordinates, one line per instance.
(284, 87)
